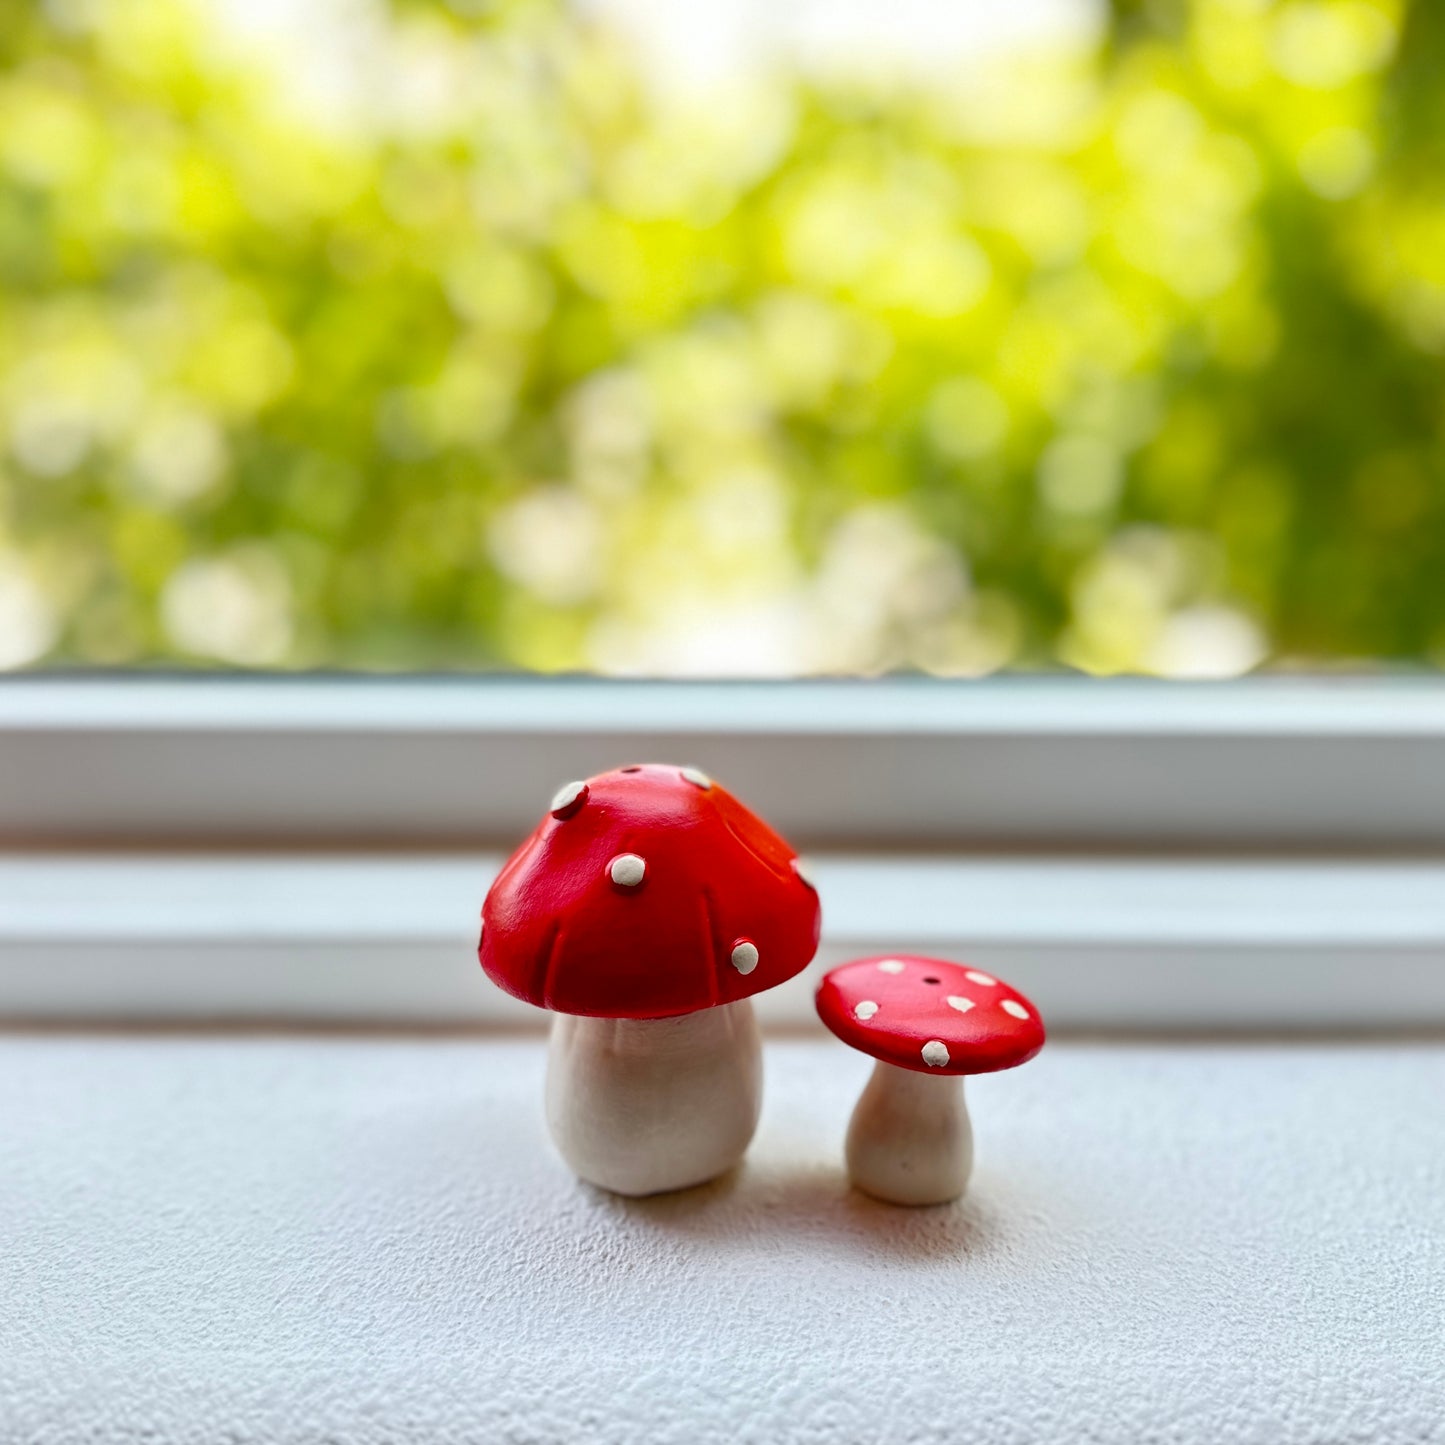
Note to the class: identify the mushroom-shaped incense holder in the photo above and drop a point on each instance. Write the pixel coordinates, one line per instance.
(928, 1023)
(646, 909)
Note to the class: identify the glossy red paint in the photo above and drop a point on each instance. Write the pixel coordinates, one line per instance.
(564, 926)
(893, 1005)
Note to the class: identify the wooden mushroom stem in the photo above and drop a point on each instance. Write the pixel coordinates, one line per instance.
(639, 1106)
(910, 1141)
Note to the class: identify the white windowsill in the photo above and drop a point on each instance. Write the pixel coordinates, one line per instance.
(1044, 763)
(284, 1240)
(1115, 943)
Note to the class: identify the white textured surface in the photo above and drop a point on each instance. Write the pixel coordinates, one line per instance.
(362, 1240)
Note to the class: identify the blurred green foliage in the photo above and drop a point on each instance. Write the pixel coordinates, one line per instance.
(1125, 359)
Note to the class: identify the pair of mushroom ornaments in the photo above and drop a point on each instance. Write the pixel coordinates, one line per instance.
(645, 910)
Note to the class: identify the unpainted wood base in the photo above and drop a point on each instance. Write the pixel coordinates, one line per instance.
(910, 1140)
(641, 1106)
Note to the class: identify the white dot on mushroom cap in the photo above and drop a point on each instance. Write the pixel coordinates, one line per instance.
(935, 1055)
(627, 869)
(865, 1010)
(697, 777)
(1012, 1006)
(961, 1004)
(745, 957)
(801, 868)
(890, 965)
(566, 795)
(973, 976)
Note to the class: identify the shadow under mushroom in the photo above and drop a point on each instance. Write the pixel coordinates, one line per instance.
(763, 1202)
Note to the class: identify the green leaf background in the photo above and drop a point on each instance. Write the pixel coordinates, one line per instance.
(1125, 358)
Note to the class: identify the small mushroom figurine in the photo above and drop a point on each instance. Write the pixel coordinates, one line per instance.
(927, 1022)
(646, 909)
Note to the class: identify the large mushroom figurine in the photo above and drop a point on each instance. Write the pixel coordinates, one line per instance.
(928, 1023)
(646, 909)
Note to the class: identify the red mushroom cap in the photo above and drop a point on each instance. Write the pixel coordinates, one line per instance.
(644, 893)
(930, 1015)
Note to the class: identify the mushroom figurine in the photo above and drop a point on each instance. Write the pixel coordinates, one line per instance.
(928, 1023)
(646, 909)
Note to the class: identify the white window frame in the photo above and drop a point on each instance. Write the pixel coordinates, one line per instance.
(1268, 854)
